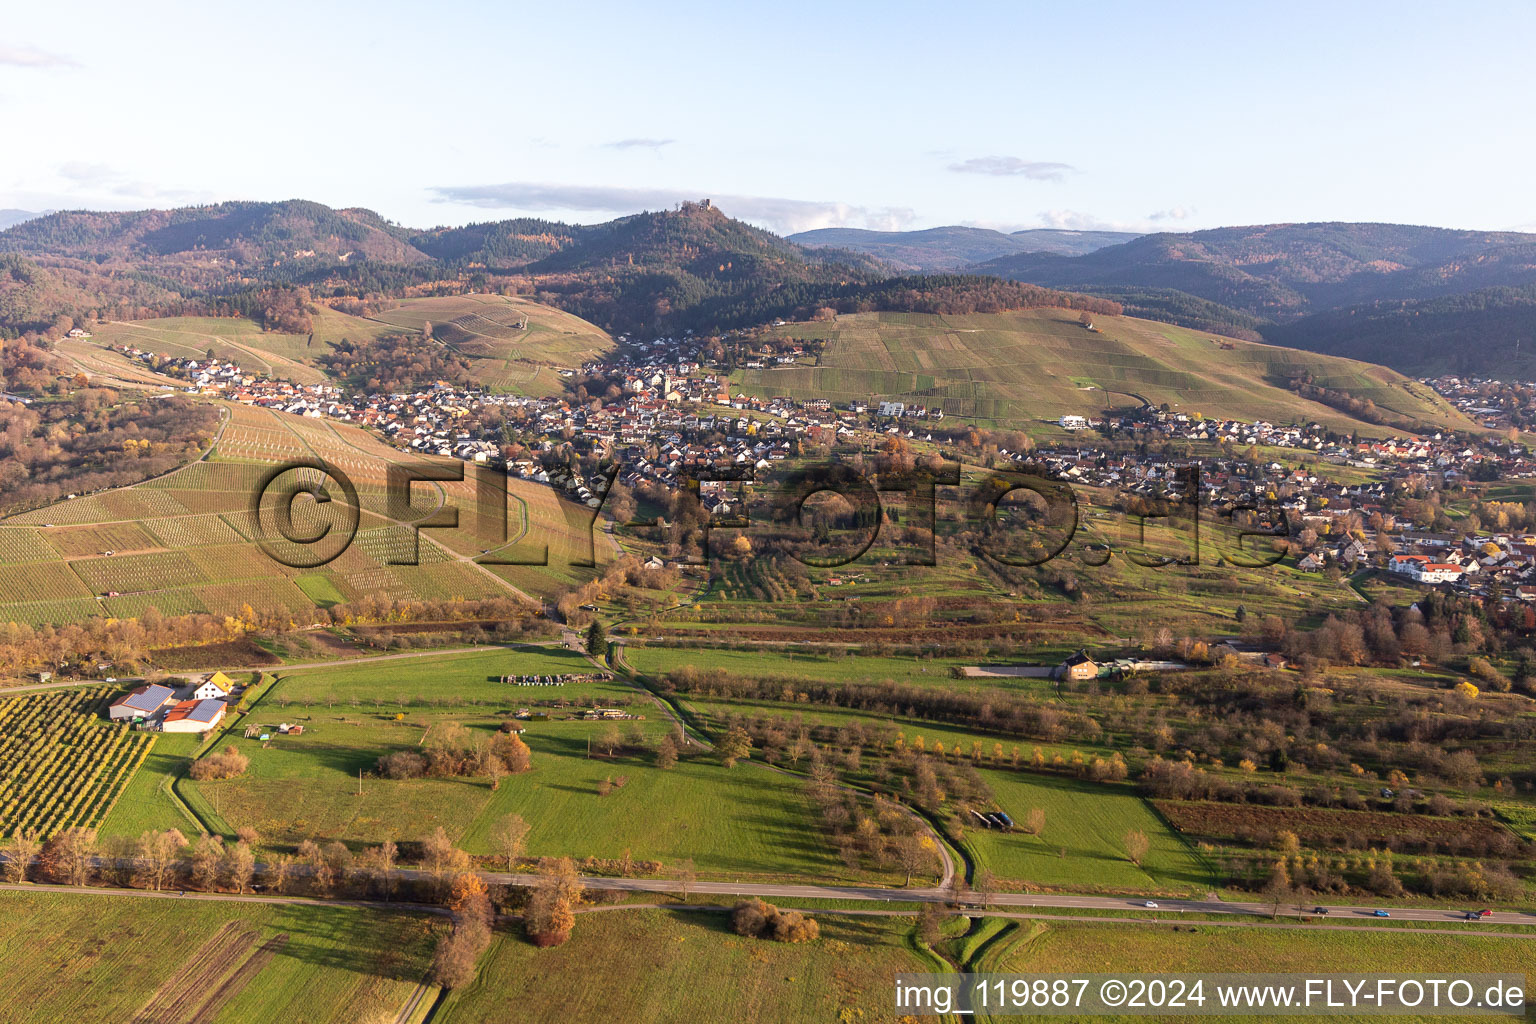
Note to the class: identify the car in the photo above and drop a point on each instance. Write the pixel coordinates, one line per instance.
(1319, 910)
(1381, 913)
(1485, 913)
(110, 679)
(1470, 916)
(1150, 904)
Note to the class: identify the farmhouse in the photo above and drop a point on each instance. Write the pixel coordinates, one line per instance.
(140, 703)
(193, 716)
(1078, 666)
(215, 687)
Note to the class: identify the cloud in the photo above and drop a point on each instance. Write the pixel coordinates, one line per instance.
(82, 173)
(93, 181)
(1076, 220)
(1013, 167)
(786, 216)
(32, 57)
(638, 143)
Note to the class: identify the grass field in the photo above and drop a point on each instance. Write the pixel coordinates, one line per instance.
(657, 661)
(1039, 364)
(732, 822)
(654, 966)
(1063, 948)
(67, 958)
(1083, 843)
(147, 801)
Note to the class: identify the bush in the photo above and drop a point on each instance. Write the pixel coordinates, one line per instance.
(756, 919)
(227, 764)
(403, 764)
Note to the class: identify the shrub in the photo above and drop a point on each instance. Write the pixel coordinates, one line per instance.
(227, 764)
(756, 919)
(403, 764)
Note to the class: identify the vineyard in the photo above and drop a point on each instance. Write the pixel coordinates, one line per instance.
(187, 542)
(60, 765)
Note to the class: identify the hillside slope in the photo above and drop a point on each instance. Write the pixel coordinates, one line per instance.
(1039, 364)
(508, 343)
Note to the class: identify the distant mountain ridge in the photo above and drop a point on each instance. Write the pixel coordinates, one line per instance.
(1386, 293)
(944, 249)
(10, 218)
(247, 232)
(1283, 271)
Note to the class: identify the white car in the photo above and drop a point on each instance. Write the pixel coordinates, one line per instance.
(1150, 904)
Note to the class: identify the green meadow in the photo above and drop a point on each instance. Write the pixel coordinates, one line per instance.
(68, 958)
(738, 822)
(655, 966)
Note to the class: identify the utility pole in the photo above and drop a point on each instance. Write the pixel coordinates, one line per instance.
(359, 782)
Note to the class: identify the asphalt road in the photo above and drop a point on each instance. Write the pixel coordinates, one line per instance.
(1060, 901)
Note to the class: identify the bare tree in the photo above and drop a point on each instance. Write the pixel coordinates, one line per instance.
(686, 877)
(19, 853)
(1136, 846)
(915, 853)
(158, 852)
(441, 860)
(610, 739)
(509, 837)
(1034, 821)
(279, 871)
(240, 866)
(72, 854)
(207, 858)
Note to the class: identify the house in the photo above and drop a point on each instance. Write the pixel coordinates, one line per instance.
(1310, 563)
(1078, 666)
(215, 687)
(1073, 422)
(1438, 572)
(193, 716)
(140, 703)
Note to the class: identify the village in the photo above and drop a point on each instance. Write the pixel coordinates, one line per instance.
(673, 418)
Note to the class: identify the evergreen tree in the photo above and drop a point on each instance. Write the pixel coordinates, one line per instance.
(597, 640)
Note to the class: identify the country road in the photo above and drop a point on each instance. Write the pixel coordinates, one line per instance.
(278, 669)
(1010, 905)
(1001, 901)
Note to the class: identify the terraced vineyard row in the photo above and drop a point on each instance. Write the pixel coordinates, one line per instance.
(60, 764)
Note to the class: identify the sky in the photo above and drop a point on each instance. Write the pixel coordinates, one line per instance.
(793, 115)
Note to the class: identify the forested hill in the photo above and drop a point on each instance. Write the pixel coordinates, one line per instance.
(1280, 272)
(1491, 332)
(694, 268)
(244, 232)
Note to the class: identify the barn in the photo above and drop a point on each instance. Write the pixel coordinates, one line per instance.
(140, 703)
(193, 716)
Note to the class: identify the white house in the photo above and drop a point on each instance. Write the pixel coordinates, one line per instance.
(215, 687)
